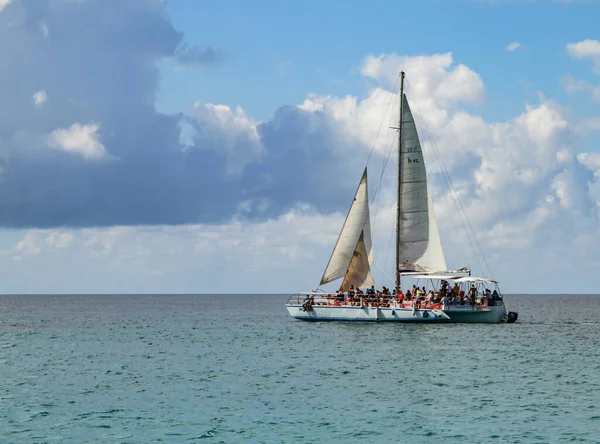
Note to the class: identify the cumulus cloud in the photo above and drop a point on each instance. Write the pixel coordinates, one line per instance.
(28, 246)
(4, 4)
(512, 46)
(151, 256)
(572, 85)
(79, 139)
(59, 240)
(586, 50)
(40, 97)
(226, 131)
(433, 79)
(99, 67)
(196, 56)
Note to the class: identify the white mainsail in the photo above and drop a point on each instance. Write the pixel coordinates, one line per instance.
(353, 253)
(420, 245)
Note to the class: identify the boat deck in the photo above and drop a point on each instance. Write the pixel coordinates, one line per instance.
(320, 299)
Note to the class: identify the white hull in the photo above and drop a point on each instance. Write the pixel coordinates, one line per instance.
(454, 314)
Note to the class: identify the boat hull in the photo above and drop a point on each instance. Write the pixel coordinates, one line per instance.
(453, 314)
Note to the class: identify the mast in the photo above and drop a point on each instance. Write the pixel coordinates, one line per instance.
(399, 181)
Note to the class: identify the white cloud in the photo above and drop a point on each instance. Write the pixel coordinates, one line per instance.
(431, 78)
(37, 242)
(28, 246)
(262, 255)
(59, 240)
(520, 236)
(4, 4)
(586, 50)
(521, 181)
(591, 160)
(572, 85)
(103, 241)
(228, 130)
(40, 97)
(589, 124)
(79, 139)
(44, 29)
(434, 85)
(512, 47)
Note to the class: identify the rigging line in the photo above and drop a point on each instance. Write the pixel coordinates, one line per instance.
(385, 162)
(378, 188)
(463, 218)
(387, 258)
(390, 150)
(382, 271)
(450, 186)
(448, 180)
(381, 124)
(462, 208)
(391, 238)
(377, 193)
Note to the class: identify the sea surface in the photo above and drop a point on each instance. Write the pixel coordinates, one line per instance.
(237, 368)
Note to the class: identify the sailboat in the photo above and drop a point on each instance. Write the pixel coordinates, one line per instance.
(455, 295)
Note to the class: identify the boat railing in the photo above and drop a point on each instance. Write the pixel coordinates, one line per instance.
(320, 298)
(333, 299)
(301, 298)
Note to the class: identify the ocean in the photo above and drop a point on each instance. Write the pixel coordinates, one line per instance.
(237, 368)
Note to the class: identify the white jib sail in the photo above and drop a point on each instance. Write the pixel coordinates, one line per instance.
(353, 254)
(420, 245)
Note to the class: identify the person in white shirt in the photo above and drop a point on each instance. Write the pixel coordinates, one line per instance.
(445, 302)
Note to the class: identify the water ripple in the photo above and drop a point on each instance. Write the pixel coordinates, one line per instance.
(238, 369)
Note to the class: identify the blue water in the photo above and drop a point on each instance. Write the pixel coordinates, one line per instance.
(142, 369)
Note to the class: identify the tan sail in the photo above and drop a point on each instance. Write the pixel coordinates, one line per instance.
(359, 271)
(353, 254)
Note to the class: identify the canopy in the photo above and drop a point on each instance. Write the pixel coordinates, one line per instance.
(451, 277)
(476, 279)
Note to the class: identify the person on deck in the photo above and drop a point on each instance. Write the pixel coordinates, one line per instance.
(444, 302)
(429, 298)
(488, 295)
(444, 288)
(455, 289)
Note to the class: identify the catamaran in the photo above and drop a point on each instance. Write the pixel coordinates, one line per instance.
(455, 295)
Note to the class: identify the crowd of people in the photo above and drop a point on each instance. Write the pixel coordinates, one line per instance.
(417, 296)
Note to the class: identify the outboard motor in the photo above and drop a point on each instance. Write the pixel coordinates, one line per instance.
(512, 317)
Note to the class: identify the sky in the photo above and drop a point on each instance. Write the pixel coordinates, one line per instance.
(177, 146)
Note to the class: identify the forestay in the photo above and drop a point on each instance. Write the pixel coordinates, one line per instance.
(353, 254)
(420, 245)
